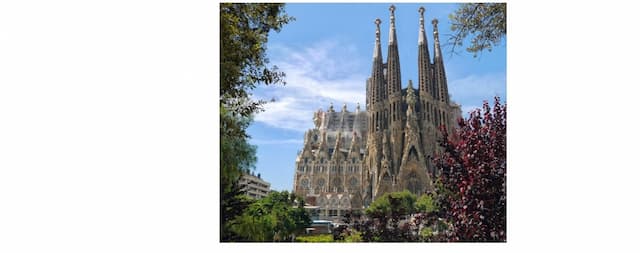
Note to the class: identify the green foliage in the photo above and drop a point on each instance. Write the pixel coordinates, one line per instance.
(426, 204)
(354, 237)
(244, 29)
(234, 203)
(426, 232)
(393, 204)
(236, 154)
(315, 238)
(387, 211)
(276, 217)
(485, 22)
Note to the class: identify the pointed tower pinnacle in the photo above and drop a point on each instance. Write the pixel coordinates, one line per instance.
(424, 59)
(392, 26)
(436, 39)
(422, 38)
(393, 60)
(377, 51)
(442, 91)
(377, 76)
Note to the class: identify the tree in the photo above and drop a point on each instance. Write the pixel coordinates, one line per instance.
(277, 217)
(386, 212)
(234, 203)
(486, 22)
(244, 29)
(425, 204)
(472, 185)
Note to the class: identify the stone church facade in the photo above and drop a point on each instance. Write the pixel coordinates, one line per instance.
(350, 158)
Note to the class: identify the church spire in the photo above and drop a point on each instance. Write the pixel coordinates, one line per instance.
(440, 78)
(424, 59)
(376, 81)
(377, 52)
(422, 38)
(393, 59)
(436, 39)
(392, 26)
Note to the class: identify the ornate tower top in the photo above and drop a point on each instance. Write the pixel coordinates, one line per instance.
(421, 35)
(436, 39)
(392, 27)
(344, 107)
(376, 50)
(434, 22)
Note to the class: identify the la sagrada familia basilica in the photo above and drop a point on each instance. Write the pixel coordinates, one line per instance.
(352, 157)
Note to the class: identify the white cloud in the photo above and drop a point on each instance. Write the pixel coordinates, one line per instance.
(323, 73)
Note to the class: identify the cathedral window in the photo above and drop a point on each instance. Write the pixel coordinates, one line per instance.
(305, 183)
(353, 182)
(320, 183)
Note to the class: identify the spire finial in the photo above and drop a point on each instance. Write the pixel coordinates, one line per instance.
(392, 26)
(392, 8)
(376, 49)
(435, 30)
(378, 29)
(435, 26)
(421, 36)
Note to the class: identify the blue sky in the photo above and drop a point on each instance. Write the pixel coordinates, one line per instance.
(327, 53)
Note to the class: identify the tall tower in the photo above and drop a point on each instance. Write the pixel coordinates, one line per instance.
(394, 91)
(375, 110)
(427, 103)
(441, 89)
